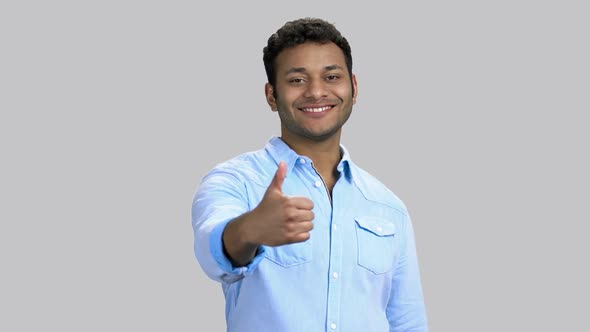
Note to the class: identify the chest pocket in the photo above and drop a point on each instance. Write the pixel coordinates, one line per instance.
(376, 244)
(290, 254)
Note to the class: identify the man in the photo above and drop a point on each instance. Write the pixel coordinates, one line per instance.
(300, 237)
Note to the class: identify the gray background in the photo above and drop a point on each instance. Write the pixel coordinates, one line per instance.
(474, 113)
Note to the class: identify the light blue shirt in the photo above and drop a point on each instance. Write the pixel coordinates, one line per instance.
(358, 272)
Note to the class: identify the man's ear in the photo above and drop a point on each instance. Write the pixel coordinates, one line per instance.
(355, 89)
(270, 98)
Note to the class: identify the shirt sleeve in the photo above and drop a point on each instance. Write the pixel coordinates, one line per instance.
(405, 310)
(220, 198)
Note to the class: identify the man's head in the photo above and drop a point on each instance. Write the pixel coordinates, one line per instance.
(301, 31)
(310, 80)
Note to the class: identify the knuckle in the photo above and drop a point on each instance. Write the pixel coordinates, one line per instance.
(284, 201)
(291, 215)
(289, 228)
(287, 202)
(300, 237)
(291, 238)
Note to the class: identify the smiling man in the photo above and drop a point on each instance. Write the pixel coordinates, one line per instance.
(299, 236)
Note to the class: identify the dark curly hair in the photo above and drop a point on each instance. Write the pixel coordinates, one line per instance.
(297, 32)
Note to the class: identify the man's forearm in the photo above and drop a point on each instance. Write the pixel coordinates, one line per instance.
(235, 244)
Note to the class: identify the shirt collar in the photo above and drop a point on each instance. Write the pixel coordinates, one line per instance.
(280, 151)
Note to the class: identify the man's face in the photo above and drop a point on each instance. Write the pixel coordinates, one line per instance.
(314, 94)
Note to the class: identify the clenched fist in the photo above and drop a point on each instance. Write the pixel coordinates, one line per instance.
(277, 220)
(280, 219)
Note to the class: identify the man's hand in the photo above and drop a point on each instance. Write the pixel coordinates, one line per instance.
(277, 220)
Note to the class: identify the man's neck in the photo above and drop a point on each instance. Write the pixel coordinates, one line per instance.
(324, 154)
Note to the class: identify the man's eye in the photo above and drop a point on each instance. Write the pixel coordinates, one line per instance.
(296, 80)
(332, 77)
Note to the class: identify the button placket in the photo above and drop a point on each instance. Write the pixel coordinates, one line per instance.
(335, 283)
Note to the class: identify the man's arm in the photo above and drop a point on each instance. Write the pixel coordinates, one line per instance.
(221, 198)
(229, 239)
(405, 309)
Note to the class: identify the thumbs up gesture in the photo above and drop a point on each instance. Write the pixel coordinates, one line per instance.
(279, 219)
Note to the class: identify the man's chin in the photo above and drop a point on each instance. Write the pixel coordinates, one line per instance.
(320, 136)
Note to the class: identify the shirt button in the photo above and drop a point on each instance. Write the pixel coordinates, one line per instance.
(318, 183)
(301, 161)
(333, 326)
(334, 227)
(335, 275)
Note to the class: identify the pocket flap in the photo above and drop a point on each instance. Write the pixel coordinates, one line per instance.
(377, 226)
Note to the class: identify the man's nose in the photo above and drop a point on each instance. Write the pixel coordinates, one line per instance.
(316, 89)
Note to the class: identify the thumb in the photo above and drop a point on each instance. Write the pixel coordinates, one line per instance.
(277, 180)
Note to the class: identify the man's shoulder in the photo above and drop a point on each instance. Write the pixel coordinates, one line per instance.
(252, 166)
(375, 190)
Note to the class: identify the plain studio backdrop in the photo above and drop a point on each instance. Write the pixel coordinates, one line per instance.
(474, 113)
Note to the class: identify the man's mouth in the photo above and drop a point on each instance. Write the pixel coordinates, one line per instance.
(316, 109)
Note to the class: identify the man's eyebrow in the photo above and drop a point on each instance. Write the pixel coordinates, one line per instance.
(296, 70)
(332, 67)
(302, 70)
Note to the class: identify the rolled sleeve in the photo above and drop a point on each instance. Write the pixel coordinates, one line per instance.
(231, 273)
(220, 198)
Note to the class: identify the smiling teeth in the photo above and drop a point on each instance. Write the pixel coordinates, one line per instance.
(316, 110)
